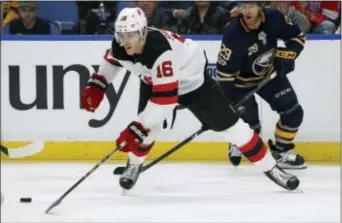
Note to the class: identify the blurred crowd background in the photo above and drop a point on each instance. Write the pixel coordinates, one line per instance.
(183, 17)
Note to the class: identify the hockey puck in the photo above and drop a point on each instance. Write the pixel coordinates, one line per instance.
(25, 200)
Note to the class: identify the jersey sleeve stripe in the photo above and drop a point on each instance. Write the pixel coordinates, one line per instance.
(229, 75)
(165, 97)
(298, 41)
(164, 100)
(172, 93)
(165, 94)
(110, 59)
(165, 87)
(231, 79)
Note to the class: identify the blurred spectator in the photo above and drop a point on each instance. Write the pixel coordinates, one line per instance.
(123, 4)
(10, 11)
(156, 16)
(296, 17)
(229, 5)
(98, 17)
(338, 20)
(28, 22)
(64, 13)
(177, 8)
(204, 18)
(175, 4)
(321, 14)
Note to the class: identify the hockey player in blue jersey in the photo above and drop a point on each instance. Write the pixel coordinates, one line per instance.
(249, 53)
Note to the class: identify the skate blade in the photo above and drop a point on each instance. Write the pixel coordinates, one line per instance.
(286, 166)
(124, 192)
(298, 190)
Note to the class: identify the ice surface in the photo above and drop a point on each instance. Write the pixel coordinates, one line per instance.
(168, 193)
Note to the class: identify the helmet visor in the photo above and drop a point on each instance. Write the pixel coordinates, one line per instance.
(125, 37)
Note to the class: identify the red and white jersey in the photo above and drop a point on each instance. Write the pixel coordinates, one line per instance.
(172, 65)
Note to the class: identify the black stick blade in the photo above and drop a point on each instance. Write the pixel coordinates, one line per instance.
(53, 205)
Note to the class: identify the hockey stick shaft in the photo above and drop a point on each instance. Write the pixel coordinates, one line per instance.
(119, 170)
(252, 92)
(59, 200)
(174, 149)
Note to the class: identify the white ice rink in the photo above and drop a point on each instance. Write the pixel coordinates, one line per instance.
(168, 193)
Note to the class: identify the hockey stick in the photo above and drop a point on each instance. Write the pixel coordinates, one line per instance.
(265, 81)
(237, 107)
(59, 200)
(119, 170)
(24, 151)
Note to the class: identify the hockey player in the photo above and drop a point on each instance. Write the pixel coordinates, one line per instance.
(249, 53)
(174, 69)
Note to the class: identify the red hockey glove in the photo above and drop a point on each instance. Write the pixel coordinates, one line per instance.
(93, 93)
(133, 135)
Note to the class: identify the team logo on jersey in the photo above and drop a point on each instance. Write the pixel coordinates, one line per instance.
(264, 63)
(262, 37)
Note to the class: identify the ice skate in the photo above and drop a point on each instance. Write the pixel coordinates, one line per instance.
(283, 179)
(130, 175)
(234, 155)
(287, 159)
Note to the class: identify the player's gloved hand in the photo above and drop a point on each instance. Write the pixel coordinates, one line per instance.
(93, 93)
(132, 136)
(284, 61)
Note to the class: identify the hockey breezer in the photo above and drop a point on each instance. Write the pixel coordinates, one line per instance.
(172, 70)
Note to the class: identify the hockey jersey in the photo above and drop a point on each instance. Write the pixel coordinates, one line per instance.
(247, 56)
(171, 64)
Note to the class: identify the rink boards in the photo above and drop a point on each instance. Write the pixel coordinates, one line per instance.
(40, 88)
(317, 152)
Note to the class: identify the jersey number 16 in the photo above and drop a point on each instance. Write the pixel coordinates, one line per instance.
(165, 69)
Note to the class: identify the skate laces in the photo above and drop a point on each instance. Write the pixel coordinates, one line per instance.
(234, 151)
(289, 156)
(132, 171)
(280, 175)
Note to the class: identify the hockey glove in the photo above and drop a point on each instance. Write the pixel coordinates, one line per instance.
(132, 136)
(284, 61)
(93, 93)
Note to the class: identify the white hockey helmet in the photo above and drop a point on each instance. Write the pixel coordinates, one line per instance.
(131, 20)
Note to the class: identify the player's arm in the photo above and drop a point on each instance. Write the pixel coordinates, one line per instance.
(229, 62)
(94, 91)
(294, 40)
(290, 33)
(164, 95)
(109, 67)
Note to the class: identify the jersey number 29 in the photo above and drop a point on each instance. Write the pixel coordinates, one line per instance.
(165, 69)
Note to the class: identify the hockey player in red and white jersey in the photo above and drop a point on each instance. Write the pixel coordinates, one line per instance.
(173, 71)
